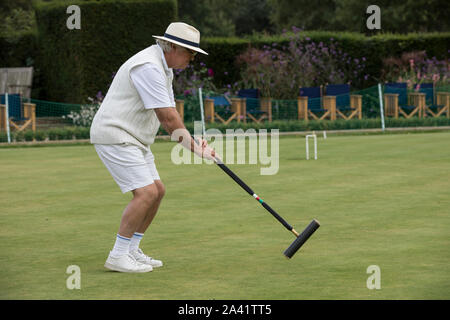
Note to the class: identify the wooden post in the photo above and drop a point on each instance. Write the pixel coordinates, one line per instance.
(243, 107)
(179, 104)
(302, 108)
(391, 105)
(356, 104)
(329, 104)
(236, 107)
(29, 111)
(266, 106)
(3, 117)
(209, 110)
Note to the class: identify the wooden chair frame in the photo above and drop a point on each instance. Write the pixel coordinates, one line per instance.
(304, 112)
(265, 106)
(355, 103)
(391, 107)
(443, 105)
(28, 111)
(211, 114)
(414, 99)
(355, 106)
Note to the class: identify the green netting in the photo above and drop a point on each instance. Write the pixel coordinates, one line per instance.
(54, 109)
(281, 109)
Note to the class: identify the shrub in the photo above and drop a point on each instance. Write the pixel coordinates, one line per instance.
(279, 71)
(415, 68)
(223, 51)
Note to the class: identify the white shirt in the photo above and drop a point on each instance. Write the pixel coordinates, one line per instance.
(151, 85)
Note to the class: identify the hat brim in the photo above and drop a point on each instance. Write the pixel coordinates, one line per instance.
(181, 44)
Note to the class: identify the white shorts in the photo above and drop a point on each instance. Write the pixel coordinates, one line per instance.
(131, 167)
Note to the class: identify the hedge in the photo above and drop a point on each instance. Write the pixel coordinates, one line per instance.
(77, 64)
(76, 133)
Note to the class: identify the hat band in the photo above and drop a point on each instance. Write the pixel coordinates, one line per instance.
(190, 43)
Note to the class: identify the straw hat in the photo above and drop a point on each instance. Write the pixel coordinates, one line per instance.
(183, 35)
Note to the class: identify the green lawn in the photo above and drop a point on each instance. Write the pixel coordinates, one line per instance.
(381, 199)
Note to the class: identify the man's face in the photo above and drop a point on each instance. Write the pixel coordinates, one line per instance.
(182, 57)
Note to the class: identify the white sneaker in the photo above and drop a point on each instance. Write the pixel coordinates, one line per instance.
(141, 257)
(126, 263)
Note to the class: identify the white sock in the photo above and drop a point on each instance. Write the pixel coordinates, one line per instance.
(121, 246)
(135, 240)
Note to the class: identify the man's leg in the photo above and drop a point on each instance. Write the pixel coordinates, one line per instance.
(137, 236)
(151, 213)
(141, 210)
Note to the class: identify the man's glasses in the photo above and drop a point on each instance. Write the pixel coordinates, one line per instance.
(192, 52)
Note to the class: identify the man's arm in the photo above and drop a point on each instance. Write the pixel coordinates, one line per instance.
(171, 121)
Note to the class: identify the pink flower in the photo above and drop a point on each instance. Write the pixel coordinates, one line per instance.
(210, 72)
(411, 62)
(435, 77)
(417, 87)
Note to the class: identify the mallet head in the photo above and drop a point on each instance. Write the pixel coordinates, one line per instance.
(301, 239)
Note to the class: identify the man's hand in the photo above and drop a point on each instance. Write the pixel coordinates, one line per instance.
(172, 123)
(202, 149)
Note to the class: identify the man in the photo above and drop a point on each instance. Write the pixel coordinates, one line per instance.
(139, 99)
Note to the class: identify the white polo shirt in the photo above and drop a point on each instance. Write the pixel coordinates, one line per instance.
(151, 85)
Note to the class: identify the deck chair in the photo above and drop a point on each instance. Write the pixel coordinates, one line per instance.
(436, 104)
(338, 97)
(309, 103)
(254, 107)
(397, 101)
(223, 108)
(21, 115)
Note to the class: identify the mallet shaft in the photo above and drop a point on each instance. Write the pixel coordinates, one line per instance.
(250, 192)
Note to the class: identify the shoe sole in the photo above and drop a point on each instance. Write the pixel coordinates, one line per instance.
(119, 269)
(152, 265)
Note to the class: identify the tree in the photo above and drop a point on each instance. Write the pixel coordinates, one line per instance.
(253, 16)
(226, 18)
(214, 18)
(304, 14)
(350, 15)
